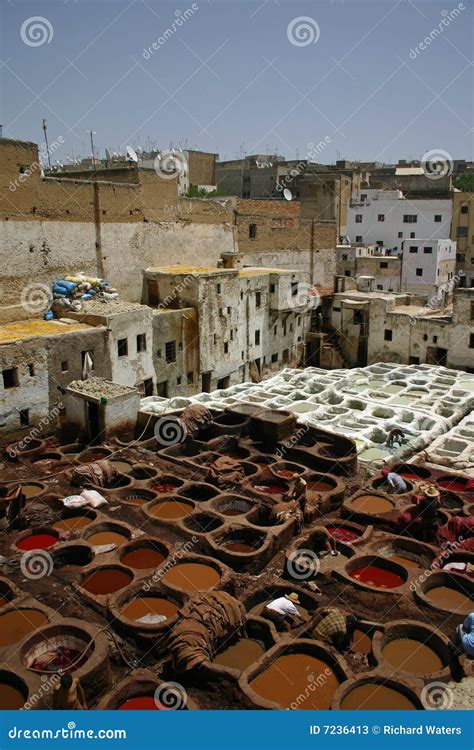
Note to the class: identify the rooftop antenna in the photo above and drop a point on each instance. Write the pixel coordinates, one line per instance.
(107, 157)
(45, 128)
(132, 154)
(92, 133)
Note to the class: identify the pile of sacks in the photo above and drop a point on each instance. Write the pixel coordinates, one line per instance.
(69, 293)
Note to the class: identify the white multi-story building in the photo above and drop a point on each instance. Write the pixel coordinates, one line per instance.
(386, 218)
(428, 268)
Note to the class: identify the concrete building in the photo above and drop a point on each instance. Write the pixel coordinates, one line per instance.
(386, 218)
(462, 231)
(427, 267)
(369, 262)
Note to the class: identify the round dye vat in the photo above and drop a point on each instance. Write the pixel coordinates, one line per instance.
(192, 577)
(342, 534)
(320, 486)
(406, 562)
(372, 504)
(171, 510)
(106, 537)
(61, 658)
(409, 655)
(239, 547)
(15, 625)
(73, 523)
(37, 541)
(164, 487)
(31, 490)
(142, 703)
(106, 581)
(361, 642)
(443, 596)
(285, 473)
(376, 697)
(372, 575)
(455, 484)
(286, 680)
(11, 699)
(122, 466)
(149, 605)
(240, 655)
(143, 557)
(232, 512)
(271, 488)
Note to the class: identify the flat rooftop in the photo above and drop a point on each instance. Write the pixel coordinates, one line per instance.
(191, 270)
(30, 329)
(99, 387)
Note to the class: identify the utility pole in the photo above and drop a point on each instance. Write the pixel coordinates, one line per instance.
(92, 134)
(45, 128)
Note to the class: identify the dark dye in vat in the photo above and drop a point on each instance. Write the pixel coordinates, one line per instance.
(11, 699)
(18, 623)
(106, 537)
(106, 581)
(143, 557)
(239, 547)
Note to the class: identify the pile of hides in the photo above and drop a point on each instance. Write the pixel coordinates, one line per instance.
(70, 292)
(98, 473)
(195, 418)
(207, 622)
(226, 472)
(35, 515)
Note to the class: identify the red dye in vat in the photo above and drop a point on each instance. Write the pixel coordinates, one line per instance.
(285, 473)
(379, 577)
(37, 541)
(165, 487)
(142, 703)
(455, 485)
(272, 489)
(344, 535)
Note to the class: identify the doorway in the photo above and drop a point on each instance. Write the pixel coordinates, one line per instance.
(93, 421)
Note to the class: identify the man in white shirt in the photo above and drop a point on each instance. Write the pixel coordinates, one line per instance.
(283, 612)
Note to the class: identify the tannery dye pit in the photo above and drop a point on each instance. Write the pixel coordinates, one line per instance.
(285, 682)
(408, 655)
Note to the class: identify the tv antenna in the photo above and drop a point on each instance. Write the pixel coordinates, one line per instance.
(132, 154)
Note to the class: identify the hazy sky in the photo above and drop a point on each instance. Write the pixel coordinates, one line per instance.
(241, 75)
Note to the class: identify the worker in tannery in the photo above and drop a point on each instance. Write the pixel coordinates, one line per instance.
(395, 482)
(334, 627)
(283, 611)
(68, 694)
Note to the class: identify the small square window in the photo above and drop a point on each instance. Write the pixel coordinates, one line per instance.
(400, 235)
(427, 250)
(31, 370)
(141, 342)
(461, 232)
(347, 273)
(258, 299)
(148, 387)
(388, 334)
(435, 339)
(464, 209)
(359, 238)
(438, 218)
(412, 235)
(170, 351)
(358, 218)
(419, 272)
(252, 231)
(10, 378)
(122, 347)
(383, 264)
(413, 248)
(64, 365)
(178, 380)
(274, 358)
(381, 217)
(158, 353)
(190, 378)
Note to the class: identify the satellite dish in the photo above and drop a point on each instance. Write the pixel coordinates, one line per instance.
(287, 194)
(107, 154)
(132, 154)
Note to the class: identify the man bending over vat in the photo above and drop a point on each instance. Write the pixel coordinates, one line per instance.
(283, 612)
(334, 627)
(395, 482)
(464, 638)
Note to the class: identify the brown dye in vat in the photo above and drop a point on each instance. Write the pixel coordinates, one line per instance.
(443, 596)
(3, 601)
(145, 557)
(106, 537)
(232, 512)
(320, 486)
(409, 655)
(14, 626)
(361, 642)
(10, 698)
(149, 605)
(171, 510)
(376, 697)
(106, 581)
(123, 466)
(286, 681)
(240, 655)
(239, 547)
(405, 561)
(30, 490)
(74, 523)
(192, 577)
(371, 504)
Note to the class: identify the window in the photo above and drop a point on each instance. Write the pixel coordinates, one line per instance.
(425, 337)
(170, 351)
(294, 288)
(388, 334)
(215, 339)
(412, 235)
(275, 331)
(272, 288)
(461, 232)
(410, 218)
(218, 289)
(347, 273)
(252, 231)
(298, 320)
(141, 342)
(413, 248)
(242, 355)
(380, 287)
(257, 337)
(472, 310)
(241, 295)
(464, 209)
(231, 334)
(122, 347)
(31, 370)
(24, 417)
(359, 316)
(471, 341)
(400, 235)
(284, 329)
(358, 218)
(180, 346)
(286, 355)
(359, 238)
(226, 347)
(427, 250)
(274, 358)
(419, 272)
(363, 197)
(344, 257)
(162, 389)
(229, 310)
(435, 339)
(148, 387)
(438, 218)
(221, 312)
(258, 299)
(414, 361)
(64, 365)
(158, 353)
(178, 380)
(190, 378)
(383, 264)
(381, 217)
